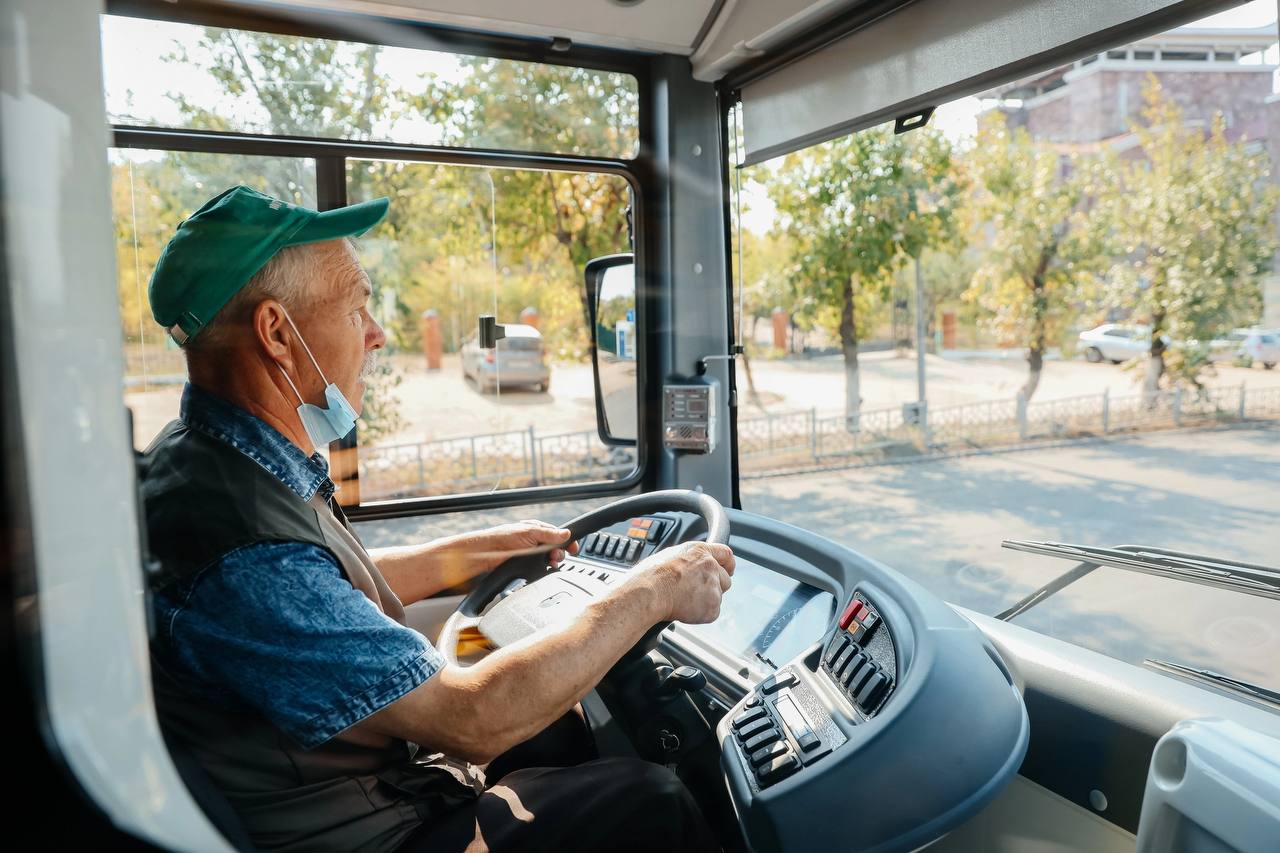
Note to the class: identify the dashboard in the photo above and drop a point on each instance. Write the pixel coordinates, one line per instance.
(879, 704)
(855, 692)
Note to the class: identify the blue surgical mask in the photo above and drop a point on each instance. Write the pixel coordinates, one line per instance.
(336, 419)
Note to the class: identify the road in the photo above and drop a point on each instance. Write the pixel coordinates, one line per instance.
(941, 523)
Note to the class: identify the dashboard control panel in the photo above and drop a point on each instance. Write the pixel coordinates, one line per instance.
(782, 728)
(626, 543)
(859, 658)
(839, 747)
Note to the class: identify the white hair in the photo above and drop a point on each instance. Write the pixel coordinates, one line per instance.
(292, 277)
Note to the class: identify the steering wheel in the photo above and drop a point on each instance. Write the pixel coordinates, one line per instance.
(525, 581)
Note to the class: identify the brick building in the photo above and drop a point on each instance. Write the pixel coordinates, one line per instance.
(1094, 101)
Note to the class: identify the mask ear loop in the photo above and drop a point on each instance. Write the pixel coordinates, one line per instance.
(296, 393)
(306, 348)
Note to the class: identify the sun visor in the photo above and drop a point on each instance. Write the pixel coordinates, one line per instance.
(934, 51)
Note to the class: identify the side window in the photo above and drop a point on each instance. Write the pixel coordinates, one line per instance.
(442, 414)
(151, 192)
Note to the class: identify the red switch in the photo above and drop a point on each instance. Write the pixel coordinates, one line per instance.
(851, 612)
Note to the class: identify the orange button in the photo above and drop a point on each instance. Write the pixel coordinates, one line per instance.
(642, 523)
(637, 533)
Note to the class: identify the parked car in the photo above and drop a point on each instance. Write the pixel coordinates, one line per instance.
(519, 359)
(1259, 346)
(1229, 347)
(1115, 342)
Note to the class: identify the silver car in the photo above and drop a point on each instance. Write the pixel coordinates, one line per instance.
(1114, 342)
(519, 359)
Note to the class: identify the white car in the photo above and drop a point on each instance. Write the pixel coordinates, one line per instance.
(1115, 343)
(1260, 346)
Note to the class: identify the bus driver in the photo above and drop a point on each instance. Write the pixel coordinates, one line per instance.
(281, 659)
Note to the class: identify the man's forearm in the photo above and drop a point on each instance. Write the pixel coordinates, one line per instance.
(415, 572)
(480, 711)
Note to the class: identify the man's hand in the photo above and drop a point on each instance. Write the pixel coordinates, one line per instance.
(493, 547)
(419, 571)
(691, 579)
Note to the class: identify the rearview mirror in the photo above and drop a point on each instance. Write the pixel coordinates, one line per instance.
(611, 302)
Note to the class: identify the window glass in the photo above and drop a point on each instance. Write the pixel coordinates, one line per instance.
(443, 414)
(911, 299)
(164, 74)
(151, 192)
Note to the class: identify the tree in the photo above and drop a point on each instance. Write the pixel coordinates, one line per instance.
(856, 209)
(1195, 216)
(524, 105)
(1037, 246)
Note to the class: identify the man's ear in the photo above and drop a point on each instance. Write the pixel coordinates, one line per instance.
(272, 332)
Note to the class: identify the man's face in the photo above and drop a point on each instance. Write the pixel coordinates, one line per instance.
(338, 327)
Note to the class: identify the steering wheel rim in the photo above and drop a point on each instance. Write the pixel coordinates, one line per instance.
(529, 566)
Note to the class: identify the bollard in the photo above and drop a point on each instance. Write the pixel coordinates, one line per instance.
(948, 330)
(432, 339)
(1106, 410)
(781, 322)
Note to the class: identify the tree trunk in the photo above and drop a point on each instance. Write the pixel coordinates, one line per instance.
(1039, 323)
(1035, 363)
(1155, 357)
(565, 238)
(849, 346)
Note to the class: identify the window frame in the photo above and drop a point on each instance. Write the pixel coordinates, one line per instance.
(331, 156)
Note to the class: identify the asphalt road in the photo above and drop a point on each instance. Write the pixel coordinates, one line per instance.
(941, 522)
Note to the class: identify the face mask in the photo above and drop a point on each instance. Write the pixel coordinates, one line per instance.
(336, 419)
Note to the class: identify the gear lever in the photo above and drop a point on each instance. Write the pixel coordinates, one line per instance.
(666, 683)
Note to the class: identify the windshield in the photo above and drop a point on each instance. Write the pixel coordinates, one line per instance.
(1024, 322)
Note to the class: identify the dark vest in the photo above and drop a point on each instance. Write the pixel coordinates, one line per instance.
(359, 791)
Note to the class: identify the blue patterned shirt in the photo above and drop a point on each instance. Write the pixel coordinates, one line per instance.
(276, 626)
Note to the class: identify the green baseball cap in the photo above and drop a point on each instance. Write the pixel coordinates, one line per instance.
(217, 249)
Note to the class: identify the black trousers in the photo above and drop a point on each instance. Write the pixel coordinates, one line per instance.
(552, 794)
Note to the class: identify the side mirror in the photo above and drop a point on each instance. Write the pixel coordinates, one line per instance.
(611, 303)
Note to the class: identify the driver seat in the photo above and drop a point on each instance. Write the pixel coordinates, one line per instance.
(216, 807)
(209, 797)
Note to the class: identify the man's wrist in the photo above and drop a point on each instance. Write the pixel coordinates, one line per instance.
(657, 590)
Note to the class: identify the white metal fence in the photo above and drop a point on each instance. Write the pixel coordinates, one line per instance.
(791, 440)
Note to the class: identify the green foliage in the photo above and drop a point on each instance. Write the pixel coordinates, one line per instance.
(1038, 245)
(1194, 218)
(855, 210)
(858, 208)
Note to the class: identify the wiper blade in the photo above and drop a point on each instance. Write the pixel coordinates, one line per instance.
(1264, 695)
(1208, 571)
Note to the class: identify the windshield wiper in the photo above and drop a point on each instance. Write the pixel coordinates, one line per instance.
(1209, 571)
(1265, 696)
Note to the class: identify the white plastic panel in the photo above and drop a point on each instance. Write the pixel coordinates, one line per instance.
(87, 611)
(1213, 787)
(931, 51)
(1027, 818)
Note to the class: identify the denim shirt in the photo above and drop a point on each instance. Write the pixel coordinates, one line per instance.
(276, 627)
